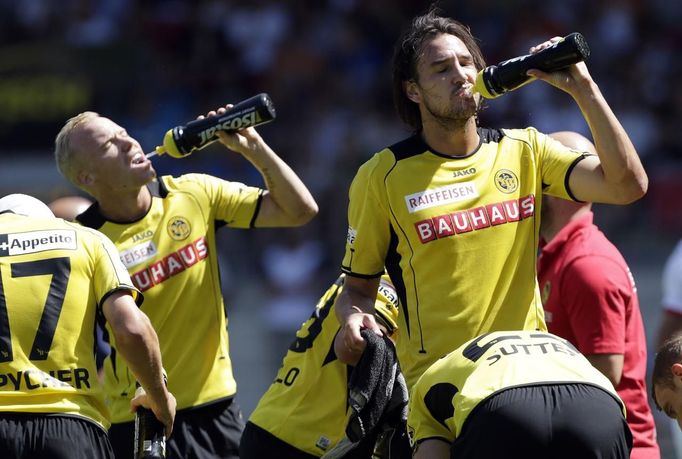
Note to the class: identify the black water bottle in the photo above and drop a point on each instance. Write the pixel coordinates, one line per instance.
(495, 80)
(182, 141)
(150, 435)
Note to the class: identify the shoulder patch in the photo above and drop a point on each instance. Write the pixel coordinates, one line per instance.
(489, 135)
(411, 146)
(438, 401)
(158, 188)
(91, 217)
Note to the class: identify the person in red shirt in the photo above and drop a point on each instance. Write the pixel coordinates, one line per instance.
(590, 299)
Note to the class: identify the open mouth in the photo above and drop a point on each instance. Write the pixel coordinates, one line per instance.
(139, 158)
(466, 90)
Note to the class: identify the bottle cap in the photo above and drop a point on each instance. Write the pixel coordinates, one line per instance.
(169, 145)
(481, 88)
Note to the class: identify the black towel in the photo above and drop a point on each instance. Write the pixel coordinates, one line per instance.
(377, 394)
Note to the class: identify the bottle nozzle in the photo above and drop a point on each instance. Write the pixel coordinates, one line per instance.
(158, 151)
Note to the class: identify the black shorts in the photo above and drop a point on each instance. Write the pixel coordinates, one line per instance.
(258, 443)
(40, 436)
(561, 421)
(205, 432)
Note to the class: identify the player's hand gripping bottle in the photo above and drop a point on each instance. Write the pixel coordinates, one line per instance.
(495, 80)
(150, 433)
(182, 141)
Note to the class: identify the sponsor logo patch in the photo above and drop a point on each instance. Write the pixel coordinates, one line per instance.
(475, 219)
(174, 263)
(440, 196)
(137, 254)
(37, 241)
(463, 172)
(323, 443)
(350, 237)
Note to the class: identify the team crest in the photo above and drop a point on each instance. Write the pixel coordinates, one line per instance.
(546, 289)
(506, 181)
(179, 228)
(352, 234)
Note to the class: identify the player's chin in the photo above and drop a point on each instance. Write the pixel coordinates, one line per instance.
(148, 171)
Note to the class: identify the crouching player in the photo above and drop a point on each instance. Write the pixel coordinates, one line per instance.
(516, 394)
(304, 412)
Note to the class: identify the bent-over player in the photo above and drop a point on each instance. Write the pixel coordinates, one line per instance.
(520, 394)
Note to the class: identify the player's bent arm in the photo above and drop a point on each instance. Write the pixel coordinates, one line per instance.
(287, 201)
(610, 365)
(618, 176)
(138, 344)
(621, 176)
(355, 310)
(432, 449)
(671, 324)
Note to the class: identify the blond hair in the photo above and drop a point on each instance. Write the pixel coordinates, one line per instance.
(63, 152)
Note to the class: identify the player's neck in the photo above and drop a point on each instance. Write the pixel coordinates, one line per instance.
(460, 141)
(126, 206)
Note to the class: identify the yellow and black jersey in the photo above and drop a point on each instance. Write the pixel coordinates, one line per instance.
(306, 405)
(457, 235)
(54, 276)
(451, 388)
(171, 256)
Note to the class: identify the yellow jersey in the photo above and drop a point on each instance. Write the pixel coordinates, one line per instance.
(171, 256)
(457, 235)
(54, 276)
(307, 404)
(451, 388)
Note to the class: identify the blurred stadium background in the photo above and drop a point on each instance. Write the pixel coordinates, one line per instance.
(154, 64)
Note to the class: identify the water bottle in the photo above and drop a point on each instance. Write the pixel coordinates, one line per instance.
(182, 141)
(495, 80)
(150, 435)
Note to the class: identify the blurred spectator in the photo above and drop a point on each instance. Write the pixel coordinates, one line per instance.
(289, 266)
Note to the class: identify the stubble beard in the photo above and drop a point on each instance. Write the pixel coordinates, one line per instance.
(454, 116)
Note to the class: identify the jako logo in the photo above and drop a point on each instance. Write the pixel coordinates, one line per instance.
(475, 219)
(463, 172)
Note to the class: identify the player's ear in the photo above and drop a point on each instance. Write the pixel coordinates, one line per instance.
(677, 370)
(85, 178)
(412, 91)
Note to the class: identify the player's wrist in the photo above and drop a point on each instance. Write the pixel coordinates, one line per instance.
(355, 310)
